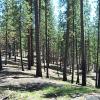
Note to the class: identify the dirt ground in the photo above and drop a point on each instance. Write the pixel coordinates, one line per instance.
(12, 76)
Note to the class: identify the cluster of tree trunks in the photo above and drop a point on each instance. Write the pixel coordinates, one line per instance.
(71, 56)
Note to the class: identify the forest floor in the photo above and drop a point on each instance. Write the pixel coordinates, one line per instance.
(23, 85)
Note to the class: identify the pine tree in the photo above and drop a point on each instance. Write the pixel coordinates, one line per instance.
(83, 63)
(37, 39)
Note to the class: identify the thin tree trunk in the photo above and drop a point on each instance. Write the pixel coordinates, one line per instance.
(88, 52)
(73, 46)
(43, 55)
(15, 50)
(9, 50)
(29, 52)
(6, 43)
(73, 57)
(20, 37)
(0, 60)
(47, 39)
(77, 81)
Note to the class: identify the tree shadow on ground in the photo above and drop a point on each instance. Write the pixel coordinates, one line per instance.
(92, 77)
(59, 78)
(29, 87)
(12, 62)
(9, 73)
(52, 90)
(15, 75)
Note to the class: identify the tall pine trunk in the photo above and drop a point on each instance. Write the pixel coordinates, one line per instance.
(20, 38)
(83, 62)
(37, 39)
(98, 53)
(47, 40)
(6, 37)
(73, 46)
(66, 46)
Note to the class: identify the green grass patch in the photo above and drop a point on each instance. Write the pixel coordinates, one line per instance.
(52, 91)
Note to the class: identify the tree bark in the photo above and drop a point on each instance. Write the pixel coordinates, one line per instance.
(47, 39)
(20, 37)
(98, 53)
(37, 39)
(66, 46)
(0, 60)
(83, 63)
